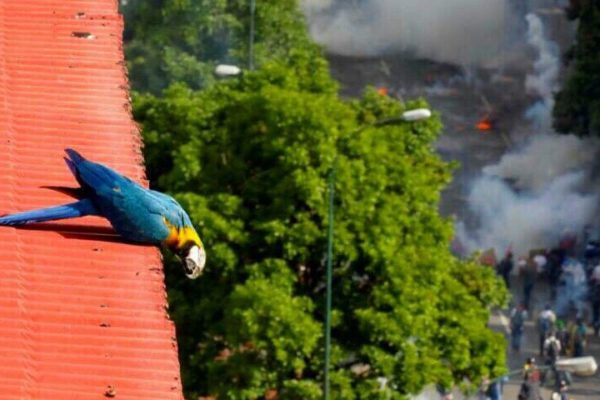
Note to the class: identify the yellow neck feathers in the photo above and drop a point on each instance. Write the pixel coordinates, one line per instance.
(179, 237)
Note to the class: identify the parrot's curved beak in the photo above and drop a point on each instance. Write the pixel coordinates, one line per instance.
(193, 263)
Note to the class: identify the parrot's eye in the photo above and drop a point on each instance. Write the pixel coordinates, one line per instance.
(183, 251)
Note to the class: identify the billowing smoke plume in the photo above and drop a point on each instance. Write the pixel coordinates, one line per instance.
(544, 161)
(542, 83)
(464, 32)
(531, 198)
(533, 195)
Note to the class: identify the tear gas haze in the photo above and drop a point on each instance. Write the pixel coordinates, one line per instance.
(463, 32)
(543, 81)
(546, 185)
(520, 184)
(545, 158)
(528, 200)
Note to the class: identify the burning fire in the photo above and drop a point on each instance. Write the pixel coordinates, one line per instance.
(484, 125)
(382, 91)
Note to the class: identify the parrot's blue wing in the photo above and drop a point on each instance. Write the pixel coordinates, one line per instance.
(136, 213)
(174, 211)
(93, 176)
(71, 210)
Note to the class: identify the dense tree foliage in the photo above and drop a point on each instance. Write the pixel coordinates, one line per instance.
(577, 108)
(182, 40)
(249, 159)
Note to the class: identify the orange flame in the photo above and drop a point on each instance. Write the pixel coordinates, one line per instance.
(382, 91)
(484, 125)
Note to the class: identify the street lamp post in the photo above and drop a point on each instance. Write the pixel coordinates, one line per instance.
(331, 185)
(251, 38)
(224, 70)
(407, 116)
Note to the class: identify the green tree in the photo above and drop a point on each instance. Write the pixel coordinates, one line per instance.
(171, 41)
(577, 107)
(248, 158)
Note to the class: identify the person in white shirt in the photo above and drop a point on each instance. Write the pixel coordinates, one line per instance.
(546, 320)
(552, 348)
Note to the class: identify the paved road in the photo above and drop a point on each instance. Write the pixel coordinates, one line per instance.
(583, 388)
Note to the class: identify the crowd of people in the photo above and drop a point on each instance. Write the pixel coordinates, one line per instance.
(572, 274)
(573, 305)
(534, 377)
(571, 336)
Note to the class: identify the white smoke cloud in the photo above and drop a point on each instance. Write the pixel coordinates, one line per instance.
(543, 81)
(464, 32)
(525, 220)
(546, 187)
(546, 158)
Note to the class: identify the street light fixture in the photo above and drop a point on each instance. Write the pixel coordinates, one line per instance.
(584, 366)
(416, 114)
(225, 70)
(407, 116)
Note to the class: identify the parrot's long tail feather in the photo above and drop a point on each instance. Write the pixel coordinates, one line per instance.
(90, 175)
(71, 210)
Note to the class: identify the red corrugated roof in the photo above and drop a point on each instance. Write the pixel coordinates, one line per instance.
(78, 313)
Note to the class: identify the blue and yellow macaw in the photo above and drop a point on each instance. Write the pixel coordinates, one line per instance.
(136, 213)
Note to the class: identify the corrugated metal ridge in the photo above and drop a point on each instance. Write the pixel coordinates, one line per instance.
(79, 311)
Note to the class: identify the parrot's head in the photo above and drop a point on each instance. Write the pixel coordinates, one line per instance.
(186, 243)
